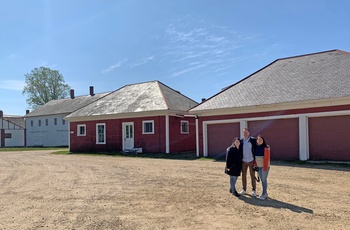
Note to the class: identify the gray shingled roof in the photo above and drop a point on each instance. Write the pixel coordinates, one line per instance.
(65, 106)
(17, 120)
(141, 97)
(315, 76)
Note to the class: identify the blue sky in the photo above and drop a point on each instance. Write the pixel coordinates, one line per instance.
(196, 47)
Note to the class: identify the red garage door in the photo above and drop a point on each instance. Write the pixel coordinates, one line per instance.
(220, 137)
(281, 134)
(329, 138)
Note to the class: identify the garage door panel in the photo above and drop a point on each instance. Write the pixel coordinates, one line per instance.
(329, 138)
(220, 136)
(281, 134)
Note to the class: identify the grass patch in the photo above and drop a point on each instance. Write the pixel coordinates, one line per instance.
(8, 149)
(174, 156)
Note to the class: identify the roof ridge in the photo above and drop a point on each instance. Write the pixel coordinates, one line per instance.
(309, 54)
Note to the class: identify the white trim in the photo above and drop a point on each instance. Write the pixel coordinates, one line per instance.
(303, 129)
(104, 133)
(188, 127)
(143, 126)
(205, 139)
(242, 124)
(197, 138)
(69, 132)
(303, 138)
(78, 130)
(274, 107)
(167, 147)
(124, 124)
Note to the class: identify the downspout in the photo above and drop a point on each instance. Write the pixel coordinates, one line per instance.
(197, 137)
(167, 148)
(69, 135)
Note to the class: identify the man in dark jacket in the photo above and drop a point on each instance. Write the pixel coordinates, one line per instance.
(248, 143)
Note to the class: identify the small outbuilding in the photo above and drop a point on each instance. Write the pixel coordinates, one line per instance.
(145, 117)
(12, 131)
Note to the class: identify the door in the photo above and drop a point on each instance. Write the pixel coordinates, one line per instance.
(128, 135)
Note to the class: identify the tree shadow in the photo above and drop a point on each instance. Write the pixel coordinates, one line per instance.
(273, 203)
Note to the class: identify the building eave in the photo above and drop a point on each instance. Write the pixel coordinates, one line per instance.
(274, 107)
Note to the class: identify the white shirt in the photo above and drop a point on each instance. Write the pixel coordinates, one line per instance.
(247, 150)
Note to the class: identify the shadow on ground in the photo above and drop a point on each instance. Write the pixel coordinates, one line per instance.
(273, 203)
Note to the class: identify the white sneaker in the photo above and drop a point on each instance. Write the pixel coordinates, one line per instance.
(262, 197)
(242, 192)
(253, 193)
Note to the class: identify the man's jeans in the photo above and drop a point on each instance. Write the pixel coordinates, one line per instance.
(263, 177)
(245, 166)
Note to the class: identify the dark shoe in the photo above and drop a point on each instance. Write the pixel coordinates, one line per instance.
(230, 190)
(236, 194)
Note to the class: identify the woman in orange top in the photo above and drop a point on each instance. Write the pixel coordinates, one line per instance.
(262, 157)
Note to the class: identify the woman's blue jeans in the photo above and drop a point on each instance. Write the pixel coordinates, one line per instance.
(233, 180)
(263, 177)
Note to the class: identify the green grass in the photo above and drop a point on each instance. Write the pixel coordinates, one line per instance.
(175, 156)
(31, 148)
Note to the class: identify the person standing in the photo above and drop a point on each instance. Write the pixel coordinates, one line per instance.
(234, 164)
(262, 155)
(248, 144)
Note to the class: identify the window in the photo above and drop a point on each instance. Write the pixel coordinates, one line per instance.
(31, 123)
(81, 130)
(55, 121)
(100, 134)
(63, 121)
(148, 127)
(184, 127)
(39, 122)
(46, 122)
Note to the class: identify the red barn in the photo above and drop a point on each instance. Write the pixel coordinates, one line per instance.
(301, 105)
(148, 117)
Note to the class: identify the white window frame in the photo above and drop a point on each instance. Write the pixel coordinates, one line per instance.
(78, 130)
(188, 127)
(104, 133)
(143, 126)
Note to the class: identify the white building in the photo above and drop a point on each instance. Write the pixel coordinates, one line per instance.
(12, 131)
(46, 126)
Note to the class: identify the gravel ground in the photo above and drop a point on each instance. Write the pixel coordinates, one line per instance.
(40, 190)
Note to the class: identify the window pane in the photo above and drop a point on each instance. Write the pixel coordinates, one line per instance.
(127, 131)
(101, 137)
(131, 131)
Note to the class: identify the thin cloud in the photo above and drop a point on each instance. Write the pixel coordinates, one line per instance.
(187, 70)
(142, 61)
(213, 47)
(12, 85)
(112, 67)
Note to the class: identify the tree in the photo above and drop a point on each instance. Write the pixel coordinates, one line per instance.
(44, 85)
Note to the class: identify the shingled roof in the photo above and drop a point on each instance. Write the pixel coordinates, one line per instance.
(316, 76)
(134, 98)
(65, 106)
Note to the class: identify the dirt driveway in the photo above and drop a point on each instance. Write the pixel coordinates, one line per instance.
(40, 190)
